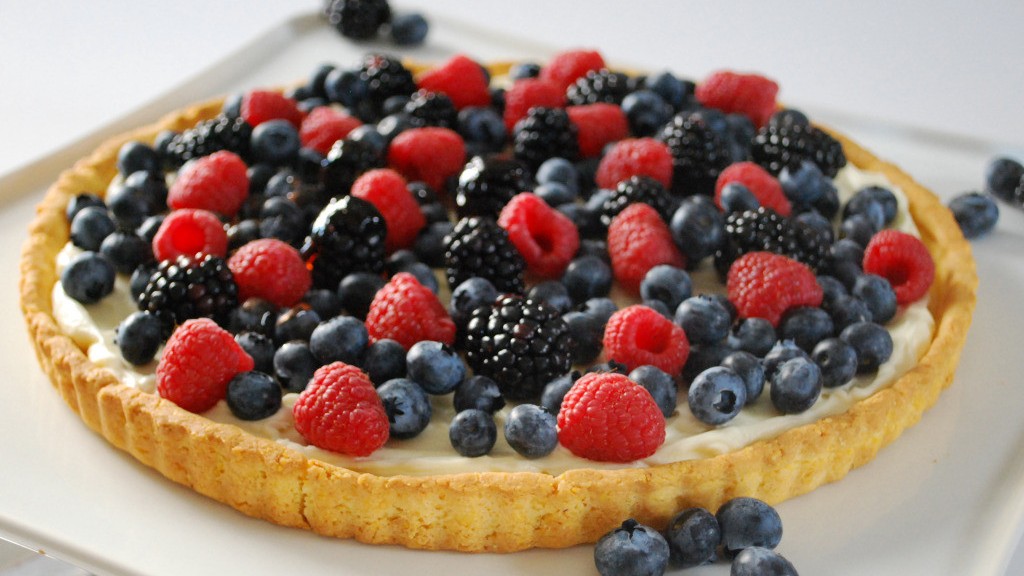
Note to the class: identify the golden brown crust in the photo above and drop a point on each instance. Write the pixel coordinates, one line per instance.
(487, 511)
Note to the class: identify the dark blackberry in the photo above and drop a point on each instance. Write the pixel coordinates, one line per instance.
(385, 76)
(698, 154)
(344, 163)
(358, 19)
(190, 287)
(637, 189)
(347, 236)
(477, 246)
(487, 183)
(598, 86)
(432, 109)
(545, 133)
(764, 229)
(520, 343)
(780, 144)
(207, 137)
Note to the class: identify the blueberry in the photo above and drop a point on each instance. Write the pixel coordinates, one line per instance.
(631, 550)
(816, 221)
(253, 396)
(796, 385)
(872, 342)
(88, 277)
(531, 431)
(429, 244)
(407, 406)
(126, 251)
(294, 365)
(384, 360)
(702, 357)
(409, 29)
(660, 384)
(587, 277)
(601, 307)
(846, 310)
(646, 112)
(877, 294)
(339, 339)
(282, 219)
(659, 307)
(667, 284)
(472, 433)
(831, 289)
(671, 89)
(760, 561)
(698, 229)
(555, 193)
(1002, 176)
(704, 320)
(345, 87)
(524, 70)
(483, 127)
(140, 279)
(90, 226)
(139, 337)
(559, 171)
(805, 326)
(254, 314)
(478, 392)
(717, 395)
(295, 323)
(435, 366)
(858, 228)
(356, 291)
(587, 333)
(741, 133)
(738, 198)
(837, 361)
(552, 293)
(754, 335)
(368, 135)
(274, 142)
(325, 302)
(469, 295)
(394, 124)
(846, 250)
(804, 183)
(862, 198)
(80, 202)
(976, 213)
(141, 194)
(693, 537)
(789, 117)
(749, 368)
(135, 156)
(259, 348)
(782, 351)
(747, 522)
(554, 391)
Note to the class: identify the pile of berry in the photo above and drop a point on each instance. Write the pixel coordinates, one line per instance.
(308, 235)
(367, 19)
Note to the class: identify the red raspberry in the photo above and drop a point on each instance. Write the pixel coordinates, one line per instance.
(566, 67)
(270, 269)
(752, 95)
(638, 240)
(430, 154)
(530, 93)
(609, 418)
(188, 232)
(635, 157)
(388, 192)
(759, 181)
(408, 312)
(461, 79)
(546, 238)
(259, 106)
(637, 335)
(598, 125)
(340, 411)
(904, 261)
(218, 183)
(324, 126)
(198, 361)
(765, 285)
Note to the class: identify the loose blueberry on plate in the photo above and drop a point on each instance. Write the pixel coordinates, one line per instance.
(759, 561)
(693, 537)
(975, 213)
(631, 550)
(747, 522)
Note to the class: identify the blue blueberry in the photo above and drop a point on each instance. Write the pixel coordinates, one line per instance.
(384, 360)
(587, 333)
(356, 291)
(274, 142)
(295, 323)
(253, 396)
(601, 307)
(659, 307)
(877, 294)
(646, 112)
(976, 213)
(671, 89)
(339, 339)
(482, 127)
(789, 117)
(531, 431)
(369, 135)
(325, 302)
(140, 279)
(702, 357)
(282, 219)
(429, 243)
(407, 406)
(698, 228)
(80, 202)
(837, 361)
(126, 251)
(747, 522)
(831, 289)
(555, 193)
(631, 550)
(554, 391)
(805, 326)
(860, 201)
(1002, 176)
(254, 314)
(667, 284)
(524, 70)
(469, 295)
(796, 385)
(846, 310)
(142, 194)
(294, 365)
(858, 228)
(693, 537)
(260, 348)
(552, 293)
(750, 369)
(741, 133)
(473, 433)
(559, 171)
(345, 87)
(704, 320)
(660, 384)
(587, 277)
(409, 29)
(478, 392)
(754, 335)
(90, 226)
(816, 221)
(805, 183)
(435, 366)
(139, 337)
(135, 156)
(872, 342)
(88, 277)
(717, 395)
(759, 561)
(738, 198)
(846, 250)
(782, 351)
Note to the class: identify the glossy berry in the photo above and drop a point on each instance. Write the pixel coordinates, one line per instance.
(782, 351)
(635, 157)
(185, 288)
(806, 326)
(877, 294)
(631, 550)
(699, 154)
(140, 195)
(542, 134)
(638, 335)
(766, 285)
(747, 522)
(646, 111)
(187, 232)
(587, 333)
(139, 337)
(348, 235)
(253, 396)
(638, 240)
(339, 339)
(260, 260)
(259, 347)
(294, 365)
(389, 193)
(837, 360)
(469, 295)
(667, 284)
(531, 431)
(198, 361)
(870, 198)
(660, 384)
(698, 228)
(472, 433)
(587, 277)
(750, 369)
(90, 226)
(758, 561)
(693, 537)
(753, 335)
(358, 19)
(904, 261)
(717, 395)
(126, 251)
(384, 360)
(406, 311)
(407, 407)
(796, 385)
(1003, 177)
(340, 411)
(545, 238)
(478, 392)
(975, 213)
(752, 95)
(356, 292)
(872, 342)
(704, 320)
(435, 366)
(777, 145)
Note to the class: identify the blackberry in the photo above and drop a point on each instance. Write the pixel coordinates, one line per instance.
(477, 246)
(487, 183)
(432, 109)
(545, 133)
(358, 19)
(344, 163)
(190, 287)
(207, 137)
(347, 236)
(780, 144)
(764, 229)
(637, 189)
(520, 343)
(598, 86)
(385, 76)
(698, 154)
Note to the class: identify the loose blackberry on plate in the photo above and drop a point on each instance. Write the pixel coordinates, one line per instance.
(358, 19)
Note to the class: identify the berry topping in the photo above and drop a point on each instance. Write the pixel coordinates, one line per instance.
(388, 192)
(431, 154)
(716, 395)
(188, 232)
(88, 278)
(198, 362)
(764, 229)
(752, 95)
(258, 106)
(217, 183)
(638, 240)
(487, 183)
(597, 125)
(635, 157)
(185, 288)
(270, 269)
(207, 137)
(765, 188)
(637, 189)
(598, 86)
(693, 537)
(324, 126)
(530, 93)
(531, 431)
(638, 335)
(546, 238)
(478, 247)
(545, 133)
(904, 261)
(473, 433)
(340, 411)
(406, 311)
(781, 144)
(609, 418)
(253, 396)
(699, 154)
(347, 236)
(766, 285)
(461, 79)
(384, 76)
(566, 67)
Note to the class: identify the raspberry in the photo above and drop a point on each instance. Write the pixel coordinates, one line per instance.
(598, 125)
(430, 154)
(609, 418)
(269, 258)
(217, 183)
(324, 126)
(188, 232)
(759, 181)
(545, 237)
(638, 240)
(566, 67)
(903, 260)
(752, 95)
(198, 361)
(766, 285)
(530, 93)
(388, 191)
(461, 79)
(635, 157)
(406, 311)
(259, 106)
(340, 411)
(638, 335)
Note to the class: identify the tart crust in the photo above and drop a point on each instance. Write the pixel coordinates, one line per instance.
(494, 511)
